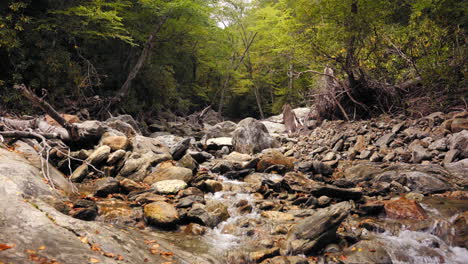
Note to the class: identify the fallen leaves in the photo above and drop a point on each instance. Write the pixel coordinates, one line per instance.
(5, 246)
(93, 260)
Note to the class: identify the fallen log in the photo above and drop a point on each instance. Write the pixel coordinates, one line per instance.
(26, 134)
(41, 103)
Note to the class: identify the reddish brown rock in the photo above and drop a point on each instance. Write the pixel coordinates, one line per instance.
(274, 157)
(403, 208)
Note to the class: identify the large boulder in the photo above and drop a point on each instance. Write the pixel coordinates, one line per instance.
(30, 221)
(313, 233)
(251, 136)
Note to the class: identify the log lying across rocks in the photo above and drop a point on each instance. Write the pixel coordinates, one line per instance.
(40, 102)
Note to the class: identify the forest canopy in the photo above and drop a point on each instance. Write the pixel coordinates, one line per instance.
(244, 58)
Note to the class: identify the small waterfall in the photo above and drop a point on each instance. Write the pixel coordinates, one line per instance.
(218, 236)
(421, 247)
(433, 245)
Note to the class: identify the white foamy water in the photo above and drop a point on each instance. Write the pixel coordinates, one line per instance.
(422, 247)
(217, 236)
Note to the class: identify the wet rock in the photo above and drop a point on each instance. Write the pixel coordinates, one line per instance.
(190, 191)
(223, 166)
(259, 256)
(169, 186)
(116, 142)
(87, 214)
(115, 156)
(106, 186)
(99, 155)
(366, 251)
(315, 232)
(251, 136)
(210, 214)
(461, 230)
(80, 173)
(128, 186)
(161, 214)
(201, 156)
(169, 172)
(240, 174)
(403, 208)
(414, 196)
(189, 201)
(179, 149)
(194, 229)
(187, 161)
(147, 197)
(372, 207)
(212, 186)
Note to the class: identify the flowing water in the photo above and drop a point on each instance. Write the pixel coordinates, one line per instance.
(433, 243)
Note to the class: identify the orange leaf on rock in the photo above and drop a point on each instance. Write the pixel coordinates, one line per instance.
(5, 247)
(96, 247)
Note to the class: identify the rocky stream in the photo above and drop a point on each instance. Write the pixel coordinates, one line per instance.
(385, 190)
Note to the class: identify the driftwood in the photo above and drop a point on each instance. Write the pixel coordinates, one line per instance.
(27, 134)
(40, 102)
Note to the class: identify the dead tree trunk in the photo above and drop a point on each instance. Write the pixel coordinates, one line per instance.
(124, 90)
(41, 103)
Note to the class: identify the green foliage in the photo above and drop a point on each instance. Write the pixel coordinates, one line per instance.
(82, 48)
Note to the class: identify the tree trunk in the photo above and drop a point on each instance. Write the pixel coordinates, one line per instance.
(124, 90)
(239, 63)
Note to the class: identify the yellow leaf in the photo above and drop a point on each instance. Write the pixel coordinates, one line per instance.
(84, 240)
(93, 260)
(41, 248)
